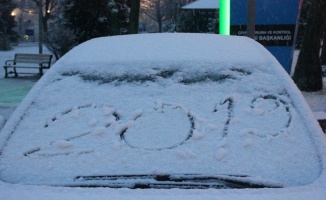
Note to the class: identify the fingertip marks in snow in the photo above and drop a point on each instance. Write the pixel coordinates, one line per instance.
(109, 111)
(158, 104)
(99, 131)
(221, 154)
(212, 127)
(149, 133)
(73, 113)
(97, 120)
(271, 107)
(122, 129)
(56, 148)
(229, 102)
(197, 135)
(92, 122)
(32, 151)
(247, 143)
(117, 145)
(137, 113)
(76, 112)
(63, 144)
(186, 154)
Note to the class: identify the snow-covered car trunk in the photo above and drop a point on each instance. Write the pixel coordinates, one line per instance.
(142, 106)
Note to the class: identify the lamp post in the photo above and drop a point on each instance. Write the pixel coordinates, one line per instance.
(40, 17)
(251, 18)
(225, 17)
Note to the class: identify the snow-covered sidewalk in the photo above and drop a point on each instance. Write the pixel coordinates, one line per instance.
(13, 90)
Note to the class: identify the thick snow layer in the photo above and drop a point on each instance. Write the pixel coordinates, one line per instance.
(164, 107)
(149, 55)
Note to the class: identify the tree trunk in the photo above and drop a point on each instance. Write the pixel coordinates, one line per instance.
(159, 15)
(45, 24)
(323, 50)
(159, 21)
(134, 16)
(308, 73)
(46, 16)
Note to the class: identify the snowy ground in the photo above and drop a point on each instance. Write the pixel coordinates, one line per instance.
(13, 90)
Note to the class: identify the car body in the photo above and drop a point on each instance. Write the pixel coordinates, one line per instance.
(167, 112)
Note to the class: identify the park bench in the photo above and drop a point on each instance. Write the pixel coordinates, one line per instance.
(28, 61)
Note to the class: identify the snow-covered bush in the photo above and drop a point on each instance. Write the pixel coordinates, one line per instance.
(60, 41)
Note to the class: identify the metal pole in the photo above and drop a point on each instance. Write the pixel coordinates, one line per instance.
(40, 17)
(251, 18)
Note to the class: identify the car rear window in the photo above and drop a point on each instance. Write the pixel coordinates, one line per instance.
(234, 121)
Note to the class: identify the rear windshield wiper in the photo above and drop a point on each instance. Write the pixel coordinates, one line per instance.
(168, 181)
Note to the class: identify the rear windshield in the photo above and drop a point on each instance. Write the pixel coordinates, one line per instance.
(231, 122)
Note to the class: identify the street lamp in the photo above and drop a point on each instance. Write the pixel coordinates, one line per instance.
(225, 17)
(40, 17)
(251, 18)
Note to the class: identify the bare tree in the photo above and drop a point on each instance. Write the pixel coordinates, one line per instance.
(162, 10)
(60, 40)
(49, 9)
(134, 15)
(323, 51)
(154, 10)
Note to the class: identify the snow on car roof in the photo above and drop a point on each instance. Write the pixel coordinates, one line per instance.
(162, 104)
(147, 52)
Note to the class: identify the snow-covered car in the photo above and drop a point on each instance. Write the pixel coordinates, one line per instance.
(165, 112)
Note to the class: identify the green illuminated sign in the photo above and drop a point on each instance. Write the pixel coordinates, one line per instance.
(225, 17)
